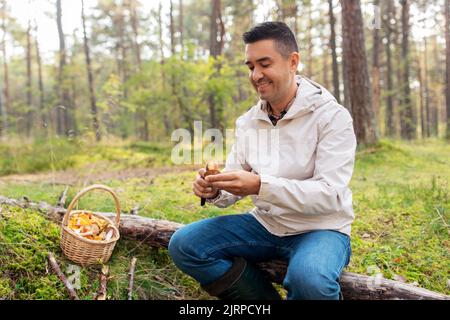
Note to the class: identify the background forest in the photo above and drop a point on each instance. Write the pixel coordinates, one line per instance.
(139, 71)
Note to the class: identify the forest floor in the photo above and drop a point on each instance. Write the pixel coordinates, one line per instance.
(401, 200)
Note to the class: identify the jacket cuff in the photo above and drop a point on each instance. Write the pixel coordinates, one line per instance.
(265, 193)
(215, 199)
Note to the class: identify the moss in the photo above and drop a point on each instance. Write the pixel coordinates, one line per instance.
(26, 237)
(5, 289)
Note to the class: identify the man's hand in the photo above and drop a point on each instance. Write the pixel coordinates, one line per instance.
(202, 188)
(239, 182)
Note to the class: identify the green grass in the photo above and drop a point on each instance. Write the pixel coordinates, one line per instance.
(401, 199)
(402, 205)
(55, 154)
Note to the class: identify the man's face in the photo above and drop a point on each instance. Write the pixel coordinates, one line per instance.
(270, 73)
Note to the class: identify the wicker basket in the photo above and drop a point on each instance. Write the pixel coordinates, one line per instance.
(85, 251)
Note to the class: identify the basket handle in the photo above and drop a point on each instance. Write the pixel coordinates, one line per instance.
(86, 190)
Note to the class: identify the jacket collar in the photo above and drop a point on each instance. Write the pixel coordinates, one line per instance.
(310, 96)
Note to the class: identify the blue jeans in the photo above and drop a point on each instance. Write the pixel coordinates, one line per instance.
(205, 250)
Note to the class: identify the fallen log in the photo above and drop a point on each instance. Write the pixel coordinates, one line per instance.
(361, 287)
(157, 233)
(154, 232)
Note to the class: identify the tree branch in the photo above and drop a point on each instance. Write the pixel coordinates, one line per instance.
(70, 289)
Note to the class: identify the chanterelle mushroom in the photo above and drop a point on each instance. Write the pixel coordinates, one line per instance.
(212, 168)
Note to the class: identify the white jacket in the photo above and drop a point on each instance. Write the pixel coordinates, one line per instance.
(305, 163)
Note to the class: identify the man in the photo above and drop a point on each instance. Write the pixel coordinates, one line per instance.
(303, 205)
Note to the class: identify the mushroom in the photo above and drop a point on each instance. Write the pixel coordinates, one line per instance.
(91, 230)
(109, 234)
(212, 168)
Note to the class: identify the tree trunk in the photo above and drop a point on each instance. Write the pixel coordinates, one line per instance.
(399, 70)
(40, 85)
(122, 49)
(181, 26)
(447, 68)
(134, 19)
(216, 43)
(6, 101)
(73, 91)
(309, 58)
(2, 117)
(64, 125)
(172, 30)
(161, 41)
(325, 68)
(29, 121)
(287, 12)
(421, 96)
(407, 121)
(296, 18)
(437, 89)
(337, 94)
(173, 51)
(157, 233)
(376, 91)
(427, 90)
(357, 75)
(347, 103)
(166, 121)
(217, 30)
(390, 124)
(422, 61)
(178, 90)
(243, 20)
(92, 98)
(286, 9)
(146, 128)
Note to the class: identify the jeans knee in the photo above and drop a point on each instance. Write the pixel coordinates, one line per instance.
(177, 247)
(311, 286)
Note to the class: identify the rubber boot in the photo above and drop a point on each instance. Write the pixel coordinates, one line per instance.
(242, 282)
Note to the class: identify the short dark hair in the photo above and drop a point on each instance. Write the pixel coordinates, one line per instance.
(277, 31)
